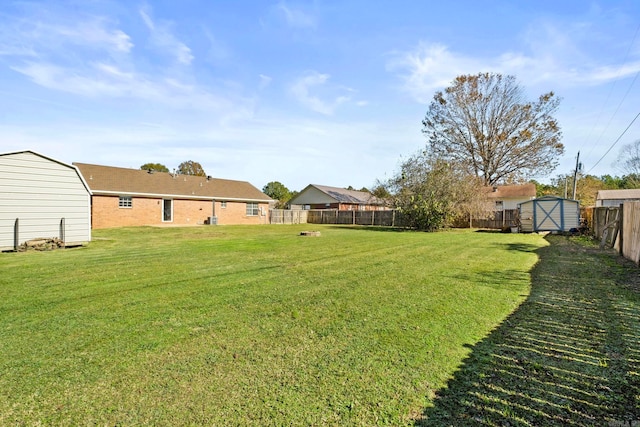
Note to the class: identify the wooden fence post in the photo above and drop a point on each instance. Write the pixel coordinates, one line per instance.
(621, 228)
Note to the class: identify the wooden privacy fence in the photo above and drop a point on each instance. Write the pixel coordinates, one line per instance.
(284, 216)
(499, 219)
(619, 227)
(604, 223)
(387, 218)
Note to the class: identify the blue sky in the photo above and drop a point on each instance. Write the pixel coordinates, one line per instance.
(323, 92)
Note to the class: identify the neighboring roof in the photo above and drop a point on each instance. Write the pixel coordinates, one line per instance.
(342, 195)
(51, 160)
(511, 191)
(349, 196)
(108, 180)
(618, 194)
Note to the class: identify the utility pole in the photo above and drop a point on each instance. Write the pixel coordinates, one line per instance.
(575, 175)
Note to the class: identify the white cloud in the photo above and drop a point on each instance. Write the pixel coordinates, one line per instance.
(218, 51)
(430, 67)
(97, 34)
(163, 38)
(33, 37)
(91, 57)
(108, 80)
(296, 17)
(301, 89)
(265, 81)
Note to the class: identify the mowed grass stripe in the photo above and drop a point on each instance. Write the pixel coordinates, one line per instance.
(241, 325)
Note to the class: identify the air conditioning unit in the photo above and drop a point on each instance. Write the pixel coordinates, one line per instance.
(213, 220)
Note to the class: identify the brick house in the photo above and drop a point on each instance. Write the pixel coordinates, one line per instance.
(130, 197)
(325, 197)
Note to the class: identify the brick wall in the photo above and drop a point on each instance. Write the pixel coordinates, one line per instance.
(106, 213)
(236, 213)
(191, 212)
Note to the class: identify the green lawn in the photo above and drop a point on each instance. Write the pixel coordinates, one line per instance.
(250, 325)
(568, 356)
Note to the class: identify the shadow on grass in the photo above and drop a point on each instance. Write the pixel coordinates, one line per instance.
(569, 355)
(379, 228)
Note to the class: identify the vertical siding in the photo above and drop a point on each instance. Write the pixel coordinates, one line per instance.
(557, 215)
(40, 192)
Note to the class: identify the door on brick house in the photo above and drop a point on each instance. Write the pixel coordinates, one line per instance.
(167, 210)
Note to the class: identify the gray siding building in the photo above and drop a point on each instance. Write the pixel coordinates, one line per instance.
(614, 198)
(549, 213)
(42, 198)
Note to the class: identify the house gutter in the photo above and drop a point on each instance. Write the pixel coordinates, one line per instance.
(177, 196)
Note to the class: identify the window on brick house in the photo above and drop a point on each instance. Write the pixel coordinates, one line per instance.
(223, 205)
(252, 209)
(125, 202)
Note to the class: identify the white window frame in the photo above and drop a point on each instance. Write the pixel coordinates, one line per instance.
(223, 205)
(125, 202)
(253, 209)
(170, 212)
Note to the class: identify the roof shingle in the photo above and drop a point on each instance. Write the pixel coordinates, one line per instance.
(114, 180)
(511, 191)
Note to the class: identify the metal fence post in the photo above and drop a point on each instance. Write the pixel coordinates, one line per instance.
(16, 240)
(62, 231)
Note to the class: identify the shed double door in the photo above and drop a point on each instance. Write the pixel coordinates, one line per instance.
(548, 215)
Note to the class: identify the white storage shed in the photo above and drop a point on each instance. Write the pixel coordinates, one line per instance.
(42, 198)
(549, 213)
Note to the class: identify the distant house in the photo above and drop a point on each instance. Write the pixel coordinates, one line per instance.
(608, 198)
(131, 197)
(42, 198)
(325, 197)
(508, 197)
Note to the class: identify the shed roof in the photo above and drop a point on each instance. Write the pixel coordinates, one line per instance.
(33, 153)
(511, 191)
(618, 194)
(550, 197)
(123, 181)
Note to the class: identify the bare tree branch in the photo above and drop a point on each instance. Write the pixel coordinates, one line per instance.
(483, 122)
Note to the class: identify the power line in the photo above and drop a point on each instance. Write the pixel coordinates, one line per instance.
(624, 61)
(614, 143)
(617, 109)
